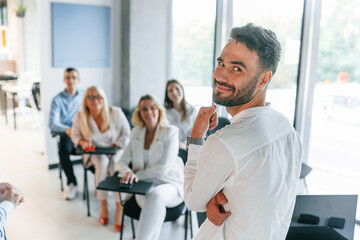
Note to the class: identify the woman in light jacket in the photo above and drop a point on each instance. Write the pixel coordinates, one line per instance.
(153, 152)
(178, 111)
(101, 126)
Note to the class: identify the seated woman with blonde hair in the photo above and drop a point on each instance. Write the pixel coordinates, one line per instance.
(101, 126)
(153, 152)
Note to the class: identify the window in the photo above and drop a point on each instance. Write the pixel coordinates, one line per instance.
(193, 47)
(287, 26)
(335, 126)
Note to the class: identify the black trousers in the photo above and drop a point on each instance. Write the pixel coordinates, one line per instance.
(66, 147)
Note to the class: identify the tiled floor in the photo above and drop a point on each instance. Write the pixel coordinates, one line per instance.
(45, 215)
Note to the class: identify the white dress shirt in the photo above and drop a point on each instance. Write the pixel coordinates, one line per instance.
(256, 162)
(185, 127)
(6, 208)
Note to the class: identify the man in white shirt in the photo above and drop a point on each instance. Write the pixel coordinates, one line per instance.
(10, 197)
(253, 163)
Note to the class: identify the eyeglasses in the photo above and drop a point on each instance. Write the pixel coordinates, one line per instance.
(91, 98)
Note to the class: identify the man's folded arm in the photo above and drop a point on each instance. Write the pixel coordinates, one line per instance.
(206, 171)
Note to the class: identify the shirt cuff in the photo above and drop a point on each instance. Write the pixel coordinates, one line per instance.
(7, 206)
(194, 151)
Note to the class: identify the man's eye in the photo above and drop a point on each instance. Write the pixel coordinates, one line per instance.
(221, 64)
(237, 69)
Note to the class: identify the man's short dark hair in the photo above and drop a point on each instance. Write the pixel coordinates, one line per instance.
(70, 69)
(262, 41)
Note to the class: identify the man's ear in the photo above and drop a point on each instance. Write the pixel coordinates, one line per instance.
(265, 79)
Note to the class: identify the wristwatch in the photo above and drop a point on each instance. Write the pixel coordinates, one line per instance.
(196, 141)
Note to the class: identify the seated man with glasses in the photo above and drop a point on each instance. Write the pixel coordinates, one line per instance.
(63, 109)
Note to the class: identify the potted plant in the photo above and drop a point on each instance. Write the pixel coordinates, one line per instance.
(20, 10)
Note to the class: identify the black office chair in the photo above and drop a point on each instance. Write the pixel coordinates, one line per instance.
(305, 170)
(35, 90)
(128, 114)
(222, 122)
(132, 209)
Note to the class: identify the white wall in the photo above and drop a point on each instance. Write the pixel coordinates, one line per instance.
(52, 78)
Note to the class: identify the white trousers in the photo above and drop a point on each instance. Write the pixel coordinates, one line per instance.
(153, 210)
(103, 169)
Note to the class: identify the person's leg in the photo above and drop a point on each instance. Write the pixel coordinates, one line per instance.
(153, 210)
(66, 147)
(119, 208)
(100, 163)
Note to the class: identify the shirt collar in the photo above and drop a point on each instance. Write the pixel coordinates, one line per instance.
(68, 95)
(250, 112)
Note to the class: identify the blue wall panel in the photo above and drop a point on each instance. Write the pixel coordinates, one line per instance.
(80, 35)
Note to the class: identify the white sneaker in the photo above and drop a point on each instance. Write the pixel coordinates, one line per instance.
(71, 192)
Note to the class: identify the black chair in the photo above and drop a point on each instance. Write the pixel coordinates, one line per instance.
(35, 90)
(132, 209)
(57, 135)
(222, 122)
(100, 151)
(128, 114)
(305, 170)
(86, 169)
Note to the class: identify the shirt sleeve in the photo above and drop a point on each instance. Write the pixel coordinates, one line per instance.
(169, 154)
(206, 172)
(54, 121)
(123, 165)
(6, 208)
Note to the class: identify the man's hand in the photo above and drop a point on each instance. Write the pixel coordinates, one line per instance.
(4, 187)
(206, 119)
(12, 195)
(68, 131)
(215, 211)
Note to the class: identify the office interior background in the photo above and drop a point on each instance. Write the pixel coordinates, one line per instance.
(317, 85)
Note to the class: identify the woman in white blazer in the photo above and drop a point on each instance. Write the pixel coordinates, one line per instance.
(101, 126)
(178, 111)
(153, 152)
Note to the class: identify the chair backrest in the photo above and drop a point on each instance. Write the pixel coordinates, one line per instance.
(35, 90)
(128, 114)
(183, 154)
(305, 170)
(222, 122)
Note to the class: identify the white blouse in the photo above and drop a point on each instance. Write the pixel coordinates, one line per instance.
(118, 133)
(186, 126)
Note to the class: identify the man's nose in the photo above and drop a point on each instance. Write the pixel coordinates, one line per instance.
(221, 75)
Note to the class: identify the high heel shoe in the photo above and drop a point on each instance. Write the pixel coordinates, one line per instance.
(103, 220)
(118, 227)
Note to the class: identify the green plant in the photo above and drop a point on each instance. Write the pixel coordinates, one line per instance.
(20, 8)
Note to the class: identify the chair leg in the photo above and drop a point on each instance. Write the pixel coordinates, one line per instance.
(191, 230)
(85, 184)
(122, 227)
(306, 187)
(86, 190)
(132, 227)
(61, 179)
(186, 223)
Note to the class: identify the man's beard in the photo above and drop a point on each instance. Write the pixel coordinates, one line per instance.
(242, 96)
